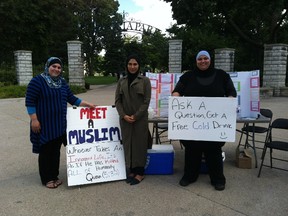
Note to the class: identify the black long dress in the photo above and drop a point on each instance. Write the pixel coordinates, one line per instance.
(210, 83)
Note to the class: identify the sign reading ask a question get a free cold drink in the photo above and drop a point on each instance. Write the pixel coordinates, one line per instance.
(202, 118)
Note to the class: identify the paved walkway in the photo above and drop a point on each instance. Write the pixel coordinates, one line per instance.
(21, 192)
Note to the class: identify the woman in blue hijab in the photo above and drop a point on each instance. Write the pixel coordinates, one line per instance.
(46, 101)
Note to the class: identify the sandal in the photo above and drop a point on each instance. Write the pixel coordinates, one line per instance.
(51, 185)
(58, 182)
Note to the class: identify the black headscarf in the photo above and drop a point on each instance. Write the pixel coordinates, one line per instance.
(206, 73)
(131, 76)
(209, 72)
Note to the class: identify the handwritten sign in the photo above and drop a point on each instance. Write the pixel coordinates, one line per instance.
(202, 118)
(94, 152)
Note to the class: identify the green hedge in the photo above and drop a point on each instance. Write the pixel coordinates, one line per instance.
(8, 77)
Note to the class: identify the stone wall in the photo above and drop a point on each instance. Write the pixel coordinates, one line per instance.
(224, 59)
(23, 63)
(175, 56)
(275, 66)
(75, 63)
(274, 73)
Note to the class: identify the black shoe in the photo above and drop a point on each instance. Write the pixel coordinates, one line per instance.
(135, 181)
(185, 182)
(129, 178)
(219, 187)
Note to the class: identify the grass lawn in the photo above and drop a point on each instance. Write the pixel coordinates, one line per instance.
(15, 91)
(100, 80)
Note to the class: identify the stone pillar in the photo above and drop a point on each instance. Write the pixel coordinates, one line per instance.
(224, 59)
(75, 63)
(175, 56)
(275, 65)
(23, 63)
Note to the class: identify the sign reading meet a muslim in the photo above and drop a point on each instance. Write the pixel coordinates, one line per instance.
(94, 151)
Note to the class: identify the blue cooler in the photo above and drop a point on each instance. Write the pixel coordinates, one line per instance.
(160, 160)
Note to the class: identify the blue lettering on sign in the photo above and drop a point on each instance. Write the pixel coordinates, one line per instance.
(94, 135)
(200, 125)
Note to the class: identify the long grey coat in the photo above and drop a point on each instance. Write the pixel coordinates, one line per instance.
(134, 101)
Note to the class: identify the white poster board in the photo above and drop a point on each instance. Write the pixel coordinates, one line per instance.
(94, 152)
(202, 118)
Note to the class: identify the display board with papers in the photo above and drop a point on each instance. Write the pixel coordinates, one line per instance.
(247, 85)
(162, 85)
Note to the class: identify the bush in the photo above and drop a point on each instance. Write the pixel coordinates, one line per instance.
(77, 89)
(13, 91)
(16, 91)
(8, 77)
(10, 89)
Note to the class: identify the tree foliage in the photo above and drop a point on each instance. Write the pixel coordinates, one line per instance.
(156, 46)
(40, 26)
(152, 47)
(44, 27)
(114, 56)
(257, 22)
(244, 26)
(96, 20)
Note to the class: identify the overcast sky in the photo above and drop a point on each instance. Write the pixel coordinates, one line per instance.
(156, 13)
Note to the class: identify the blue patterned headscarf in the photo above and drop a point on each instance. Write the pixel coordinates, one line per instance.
(53, 82)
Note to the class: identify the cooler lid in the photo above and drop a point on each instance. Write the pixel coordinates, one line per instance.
(159, 148)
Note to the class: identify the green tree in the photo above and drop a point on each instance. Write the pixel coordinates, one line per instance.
(230, 23)
(113, 44)
(95, 18)
(156, 47)
(257, 22)
(40, 26)
(44, 27)
(152, 47)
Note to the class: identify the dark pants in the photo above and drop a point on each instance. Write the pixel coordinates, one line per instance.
(49, 160)
(213, 155)
(137, 170)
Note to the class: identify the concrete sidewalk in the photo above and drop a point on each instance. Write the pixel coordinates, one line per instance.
(21, 192)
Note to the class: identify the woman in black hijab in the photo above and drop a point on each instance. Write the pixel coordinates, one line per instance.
(132, 98)
(204, 81)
